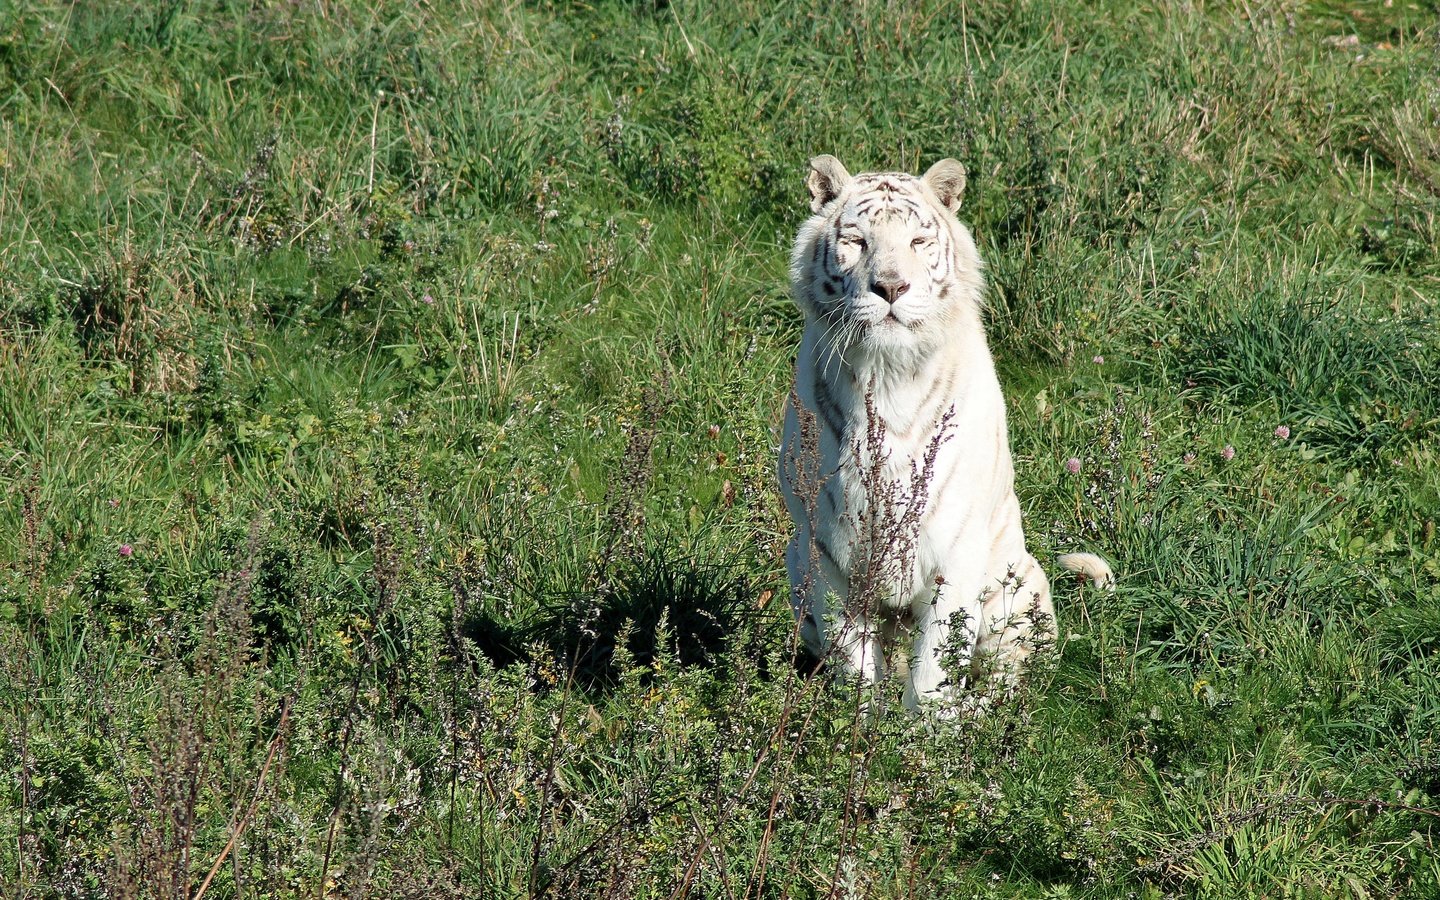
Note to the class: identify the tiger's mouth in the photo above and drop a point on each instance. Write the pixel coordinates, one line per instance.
(890, 320)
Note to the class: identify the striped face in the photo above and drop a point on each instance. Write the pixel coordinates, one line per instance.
(880, 261)
(887, 256)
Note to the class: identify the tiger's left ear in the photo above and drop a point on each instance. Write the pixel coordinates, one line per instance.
(947, 179)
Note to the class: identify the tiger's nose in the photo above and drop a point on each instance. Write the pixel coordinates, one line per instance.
(890, 289)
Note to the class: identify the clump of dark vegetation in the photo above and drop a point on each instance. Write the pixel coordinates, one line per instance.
(654, 599)
(653, 606)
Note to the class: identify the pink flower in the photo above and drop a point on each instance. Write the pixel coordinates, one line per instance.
(114, 504)
(1188, 458)
(427, 299)
(126, 550)
(1098, 360)
(1228, 453)
(1072, 465)
(1282, 432)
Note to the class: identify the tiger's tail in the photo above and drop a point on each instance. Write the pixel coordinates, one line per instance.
(1089, 566)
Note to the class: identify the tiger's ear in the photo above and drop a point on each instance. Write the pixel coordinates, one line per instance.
(947, 179)
(827, 178)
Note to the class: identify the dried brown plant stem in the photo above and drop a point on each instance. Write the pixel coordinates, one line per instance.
(345, 735)
(776, 734)
(238, 825)
(463, 663)
(384, 574)
(551, 761)
(22, 835)
(849, 820)
(610, 831)
(757, 872)
(717, 853)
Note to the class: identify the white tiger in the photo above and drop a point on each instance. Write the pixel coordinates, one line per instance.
(895, 463)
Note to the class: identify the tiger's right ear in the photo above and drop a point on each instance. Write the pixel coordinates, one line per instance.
(827, 178)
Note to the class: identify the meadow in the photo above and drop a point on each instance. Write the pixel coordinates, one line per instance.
(389, 400)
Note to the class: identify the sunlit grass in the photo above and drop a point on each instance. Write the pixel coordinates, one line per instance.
(428, 359)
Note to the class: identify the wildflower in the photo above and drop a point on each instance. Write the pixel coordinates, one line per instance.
(713, 431)
(126, 550)
(427, 299)
(1228, 453)
(114, 504)
(1098, 360)
(1282, 432)
(1188, 458)
(1072, 465)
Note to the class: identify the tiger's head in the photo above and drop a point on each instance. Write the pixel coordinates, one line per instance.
(883, 264)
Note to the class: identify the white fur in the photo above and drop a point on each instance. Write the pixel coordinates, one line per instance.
(926, 369)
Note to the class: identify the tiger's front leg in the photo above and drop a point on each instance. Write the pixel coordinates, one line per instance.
(1018, 617)
(940, 658)
(1005, 612)
(833, 633)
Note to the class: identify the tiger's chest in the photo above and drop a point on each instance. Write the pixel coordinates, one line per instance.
(888, 506)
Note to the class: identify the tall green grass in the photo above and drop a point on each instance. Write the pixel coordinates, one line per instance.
(388, 409)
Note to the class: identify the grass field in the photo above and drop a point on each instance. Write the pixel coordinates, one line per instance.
(389, 396)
